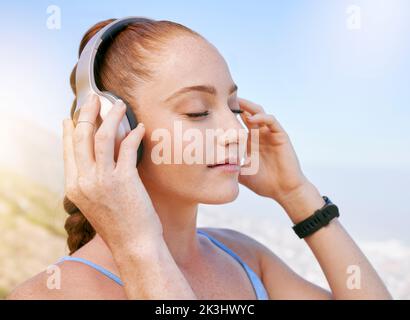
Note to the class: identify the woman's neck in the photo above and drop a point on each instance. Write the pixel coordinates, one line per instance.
(179, 231)
(178, 218)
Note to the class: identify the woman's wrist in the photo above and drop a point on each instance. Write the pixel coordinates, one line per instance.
(150, 272)
(302, 202)
(141, 249)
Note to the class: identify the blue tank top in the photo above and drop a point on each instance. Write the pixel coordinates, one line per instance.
(260, 291)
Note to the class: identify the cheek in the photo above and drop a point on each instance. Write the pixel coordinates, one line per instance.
(195, 182)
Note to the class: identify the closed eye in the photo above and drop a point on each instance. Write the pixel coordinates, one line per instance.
(197, 114)
(205, 113)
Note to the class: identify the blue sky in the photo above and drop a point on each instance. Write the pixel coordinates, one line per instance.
(343, 95)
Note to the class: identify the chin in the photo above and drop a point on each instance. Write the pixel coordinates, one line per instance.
(221, 194)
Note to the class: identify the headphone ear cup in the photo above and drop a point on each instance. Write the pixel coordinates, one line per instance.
(128, 123)
(132, 120)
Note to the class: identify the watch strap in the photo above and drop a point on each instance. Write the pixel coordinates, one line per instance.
(320, 218)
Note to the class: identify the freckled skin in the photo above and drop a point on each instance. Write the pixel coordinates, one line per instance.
(190, 61)
(178, 189)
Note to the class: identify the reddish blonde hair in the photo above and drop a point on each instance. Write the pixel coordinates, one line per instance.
(128, 61)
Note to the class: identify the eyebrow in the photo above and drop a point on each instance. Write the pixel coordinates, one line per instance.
(201, 88)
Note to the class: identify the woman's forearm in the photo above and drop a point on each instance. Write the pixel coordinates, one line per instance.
(338, 255)
(151, 273)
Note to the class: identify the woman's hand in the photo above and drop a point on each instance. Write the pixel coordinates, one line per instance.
(110, 194)
(113, 198)
(279, 176)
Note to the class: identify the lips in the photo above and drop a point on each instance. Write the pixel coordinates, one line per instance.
(232, 161)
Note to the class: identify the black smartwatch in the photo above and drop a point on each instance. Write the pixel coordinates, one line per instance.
(317, 220)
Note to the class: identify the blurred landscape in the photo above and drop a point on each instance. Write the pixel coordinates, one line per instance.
(32, 218)
(31, 212)
(31, 229)
(390, 258)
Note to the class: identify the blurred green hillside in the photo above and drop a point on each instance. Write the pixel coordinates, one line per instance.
(32, 218)
(31, 229)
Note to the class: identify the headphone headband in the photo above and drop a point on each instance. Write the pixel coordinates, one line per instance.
(87, 66)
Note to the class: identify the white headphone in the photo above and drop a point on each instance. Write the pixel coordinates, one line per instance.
(87, 69)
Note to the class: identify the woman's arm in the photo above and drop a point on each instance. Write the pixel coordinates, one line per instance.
(338, 255)
(151, 273)
(144, 275)
(280, 177)
(114, 200)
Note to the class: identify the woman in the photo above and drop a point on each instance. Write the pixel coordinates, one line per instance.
(132, 231)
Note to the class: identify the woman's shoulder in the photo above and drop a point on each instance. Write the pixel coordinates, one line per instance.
(246, 247)
(65, 280)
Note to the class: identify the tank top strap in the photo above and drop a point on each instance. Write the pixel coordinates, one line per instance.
(93, 265)
(257, 284)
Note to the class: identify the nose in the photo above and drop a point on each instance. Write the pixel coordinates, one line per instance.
(228, 137)
(233, 132)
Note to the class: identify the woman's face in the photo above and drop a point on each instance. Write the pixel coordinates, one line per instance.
(188, 62)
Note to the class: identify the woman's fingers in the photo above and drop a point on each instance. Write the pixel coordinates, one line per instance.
(245, 116)
(254, 115)
(127, 157)
(250, 106)
(267, 120)
(84, 135)
(70, 167)
(105, 137)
